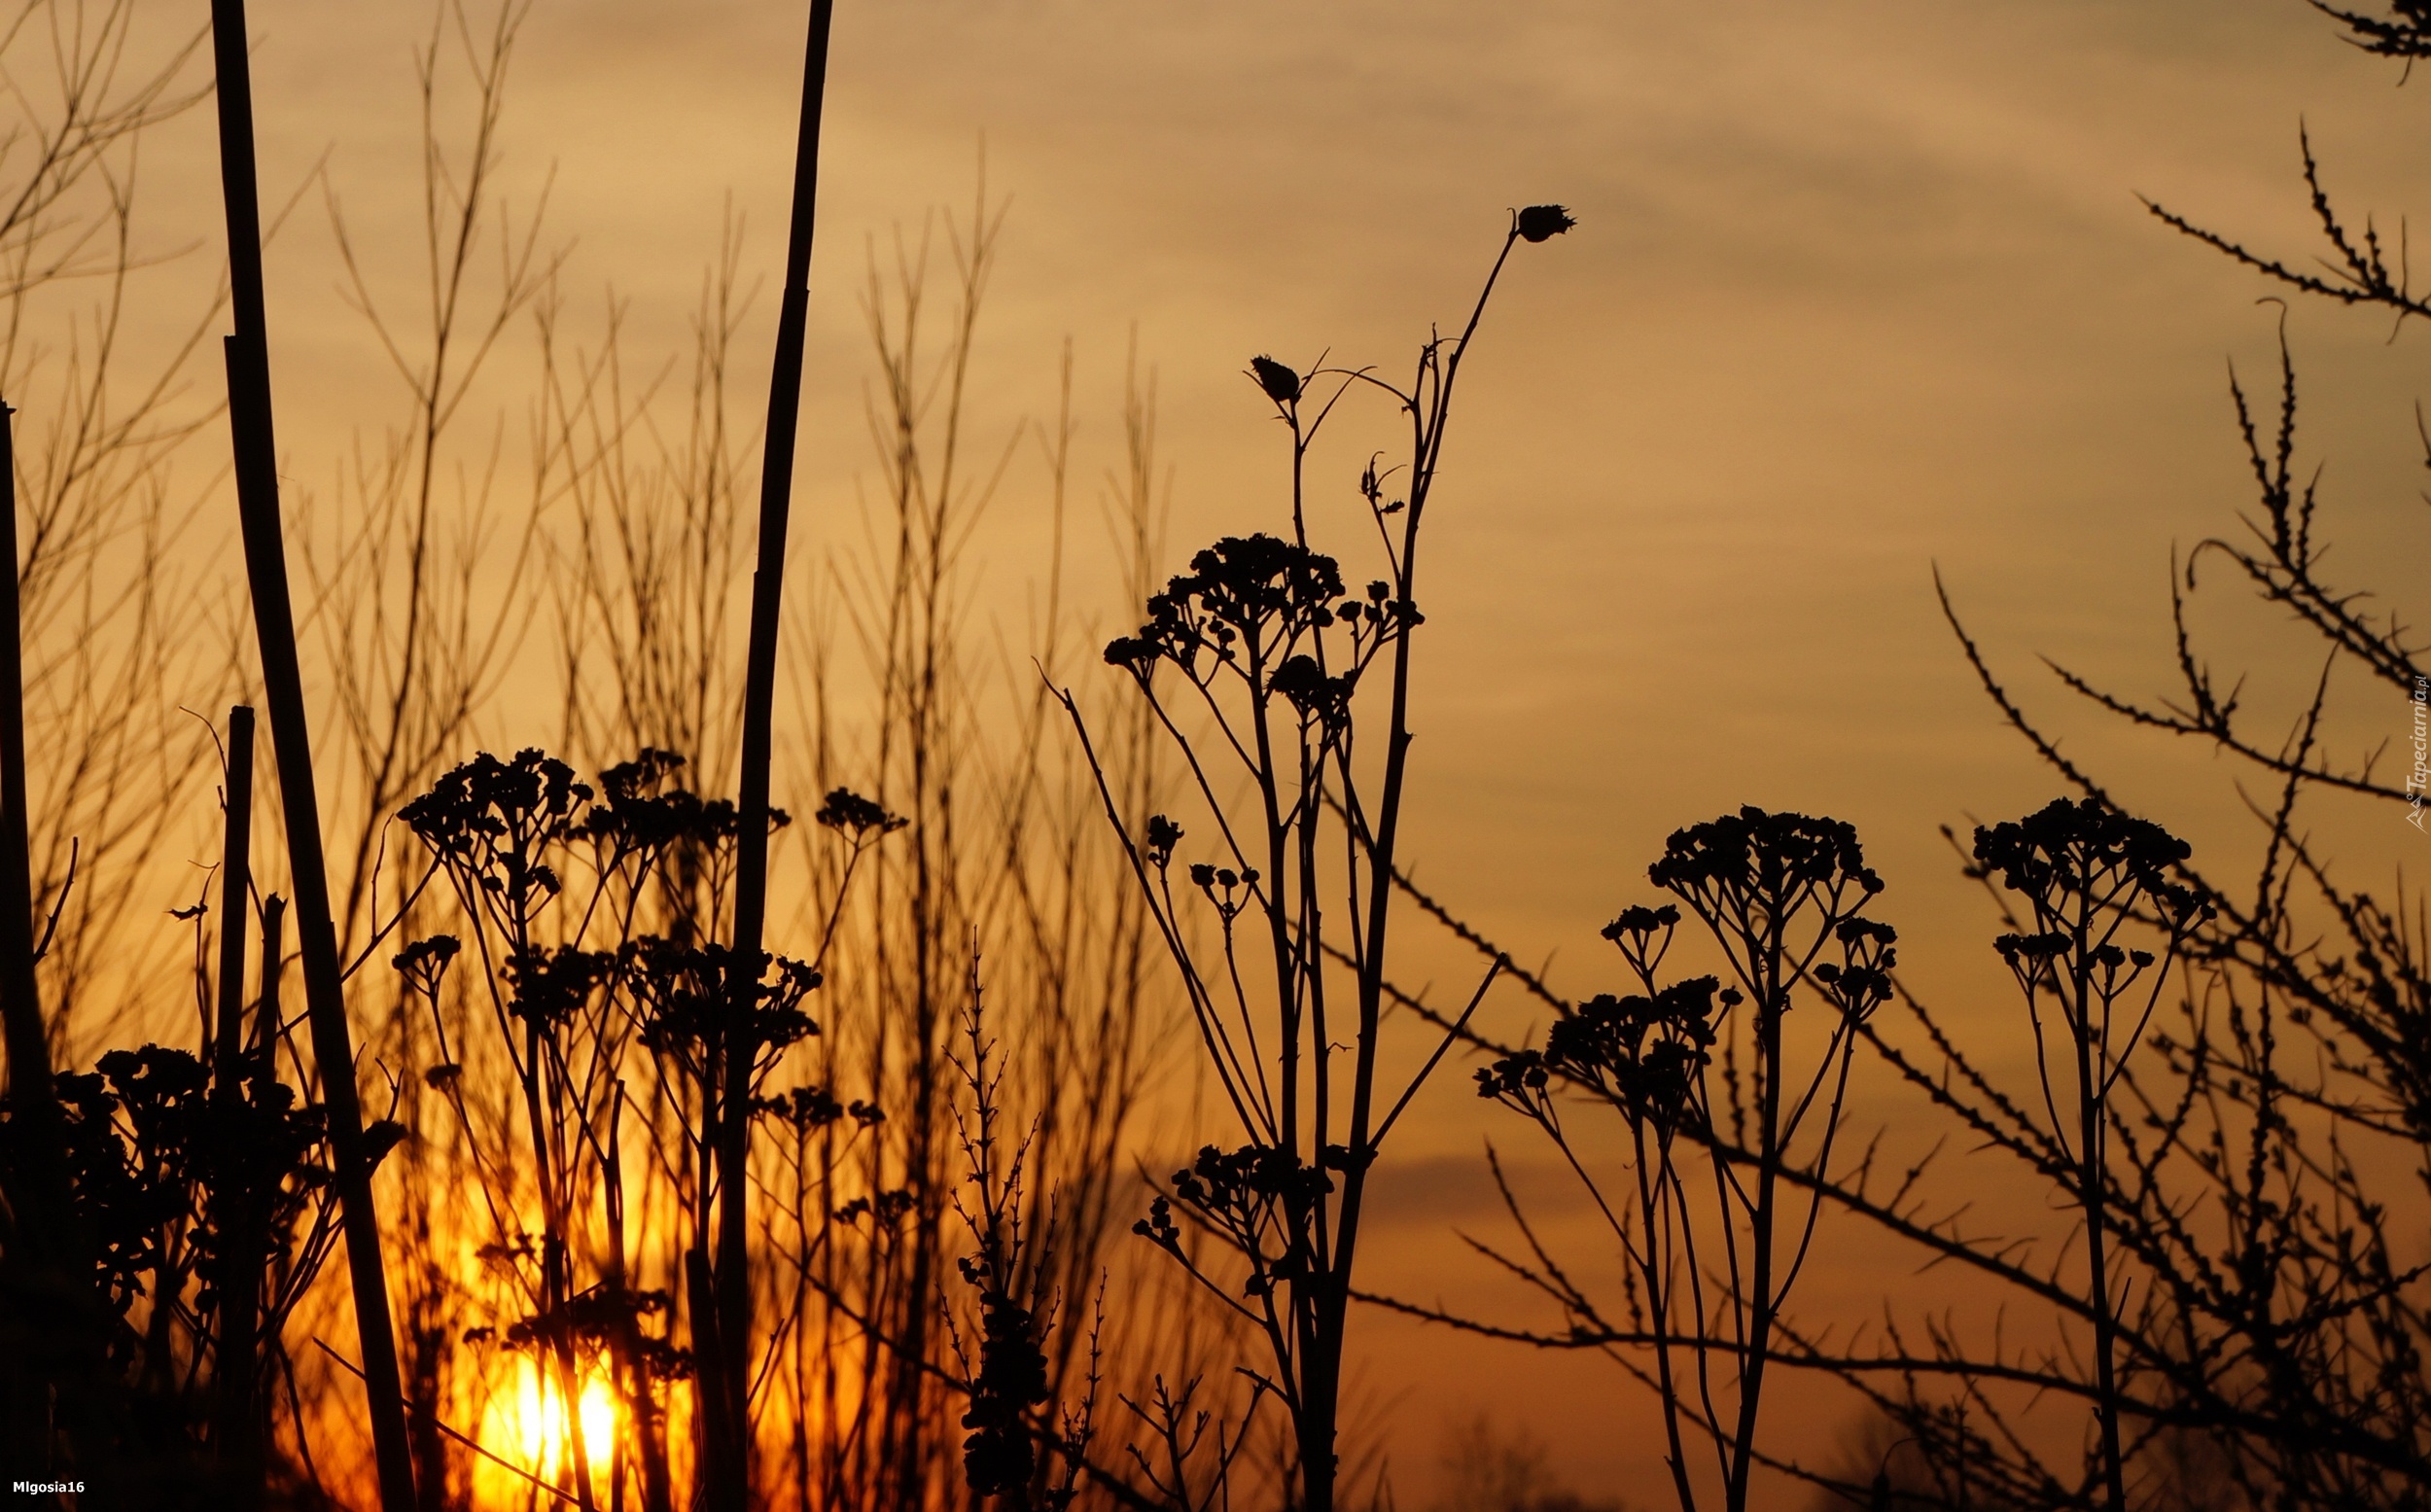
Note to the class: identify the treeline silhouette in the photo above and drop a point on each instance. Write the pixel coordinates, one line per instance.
(642, 1205)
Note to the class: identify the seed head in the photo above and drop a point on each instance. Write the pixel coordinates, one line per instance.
(1538, 222)
(1280, 383)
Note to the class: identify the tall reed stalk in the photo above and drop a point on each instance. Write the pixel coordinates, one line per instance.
(46, 1263)
(234, 1422)
(728, 1434)
(257, 485)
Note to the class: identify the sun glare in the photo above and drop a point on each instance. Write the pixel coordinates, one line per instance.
(526, 1423)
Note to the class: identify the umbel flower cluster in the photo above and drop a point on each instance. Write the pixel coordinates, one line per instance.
(500, 828)
(1776, 891)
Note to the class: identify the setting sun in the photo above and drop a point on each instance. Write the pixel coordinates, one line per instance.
(526, 1421)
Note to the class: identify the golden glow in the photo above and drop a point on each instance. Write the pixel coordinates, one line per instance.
(526, 1425)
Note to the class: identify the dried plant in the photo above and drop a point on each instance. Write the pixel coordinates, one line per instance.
(116, 627)
(1778, 892)
(1273, 674)
(2229, 1100)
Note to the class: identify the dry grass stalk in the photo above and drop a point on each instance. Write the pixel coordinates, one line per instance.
(257, 480)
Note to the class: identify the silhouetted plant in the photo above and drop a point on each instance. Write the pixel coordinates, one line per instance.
(569, 982)
(2246, 1327)
(1776, 891)
(2271, 1351)
(564, 1008)
(2086, 874)
(115, 621)
(1188, 1463)
(199, 1190)
(1011, 1409)
(1274, 655)
(2276, 1342)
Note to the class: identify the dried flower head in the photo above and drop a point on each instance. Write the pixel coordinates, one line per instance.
(1755, 854)
(2072, 846)
(1162, 836)
(1280, 383)
(848, 811)
(423, 962)
(1255, 589)
(1538, 222)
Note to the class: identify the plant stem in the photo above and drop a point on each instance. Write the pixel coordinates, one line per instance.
(1772, 1001)
(282, 680)
(45, 1245)
(235, 1439)
(266, 1020)
(227, 1037)
(727, 1400)
(33, 1100)
(2090, 1071)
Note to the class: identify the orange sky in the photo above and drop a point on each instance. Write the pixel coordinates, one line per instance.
(1858, 288)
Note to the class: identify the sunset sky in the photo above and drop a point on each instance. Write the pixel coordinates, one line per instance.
(1857, 289)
